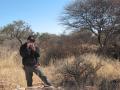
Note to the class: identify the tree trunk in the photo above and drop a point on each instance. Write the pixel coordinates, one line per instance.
(99, 41)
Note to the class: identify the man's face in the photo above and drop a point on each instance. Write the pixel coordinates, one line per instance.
(30, 44)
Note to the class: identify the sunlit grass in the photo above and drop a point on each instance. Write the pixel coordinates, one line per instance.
(109, 69)
(11, 68)
(11, 71)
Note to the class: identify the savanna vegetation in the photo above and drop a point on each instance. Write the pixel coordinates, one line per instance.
(88, 56)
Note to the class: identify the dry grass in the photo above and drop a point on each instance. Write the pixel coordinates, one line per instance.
(110, 68)
(11, 68)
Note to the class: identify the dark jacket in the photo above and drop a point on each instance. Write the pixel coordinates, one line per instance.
(29, 57)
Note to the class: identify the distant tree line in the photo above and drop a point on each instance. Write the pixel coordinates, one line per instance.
(94, 23)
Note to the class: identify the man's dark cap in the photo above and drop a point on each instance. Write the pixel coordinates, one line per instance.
(31, 38)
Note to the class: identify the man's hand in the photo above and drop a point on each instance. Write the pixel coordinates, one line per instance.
(37, 65)
(31, 46)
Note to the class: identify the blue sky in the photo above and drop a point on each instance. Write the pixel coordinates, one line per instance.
(42, 15)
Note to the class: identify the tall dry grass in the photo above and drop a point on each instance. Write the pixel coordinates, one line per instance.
(110, 68)
(11, 68)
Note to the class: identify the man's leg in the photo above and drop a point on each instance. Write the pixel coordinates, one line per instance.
(28, 74)
(39, 72)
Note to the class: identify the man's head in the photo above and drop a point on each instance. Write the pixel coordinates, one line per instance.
(31, 39)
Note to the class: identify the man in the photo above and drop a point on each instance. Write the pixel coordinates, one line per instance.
(30, 55)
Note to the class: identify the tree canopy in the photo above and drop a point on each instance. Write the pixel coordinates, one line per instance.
(101, 17)
(17, 29)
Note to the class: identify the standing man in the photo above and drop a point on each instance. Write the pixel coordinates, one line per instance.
(30, 55)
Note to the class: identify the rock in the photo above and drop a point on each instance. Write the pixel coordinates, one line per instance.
(33, 88)
(20, 89)
(41, 88)
(91, 88)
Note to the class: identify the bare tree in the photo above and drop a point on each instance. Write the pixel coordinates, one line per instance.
(17, 29)
(101, 17)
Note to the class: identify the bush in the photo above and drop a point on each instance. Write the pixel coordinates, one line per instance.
(80, 73)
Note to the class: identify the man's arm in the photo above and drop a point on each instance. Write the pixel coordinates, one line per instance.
(37, 55)
(37, 52)
(24, 52)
